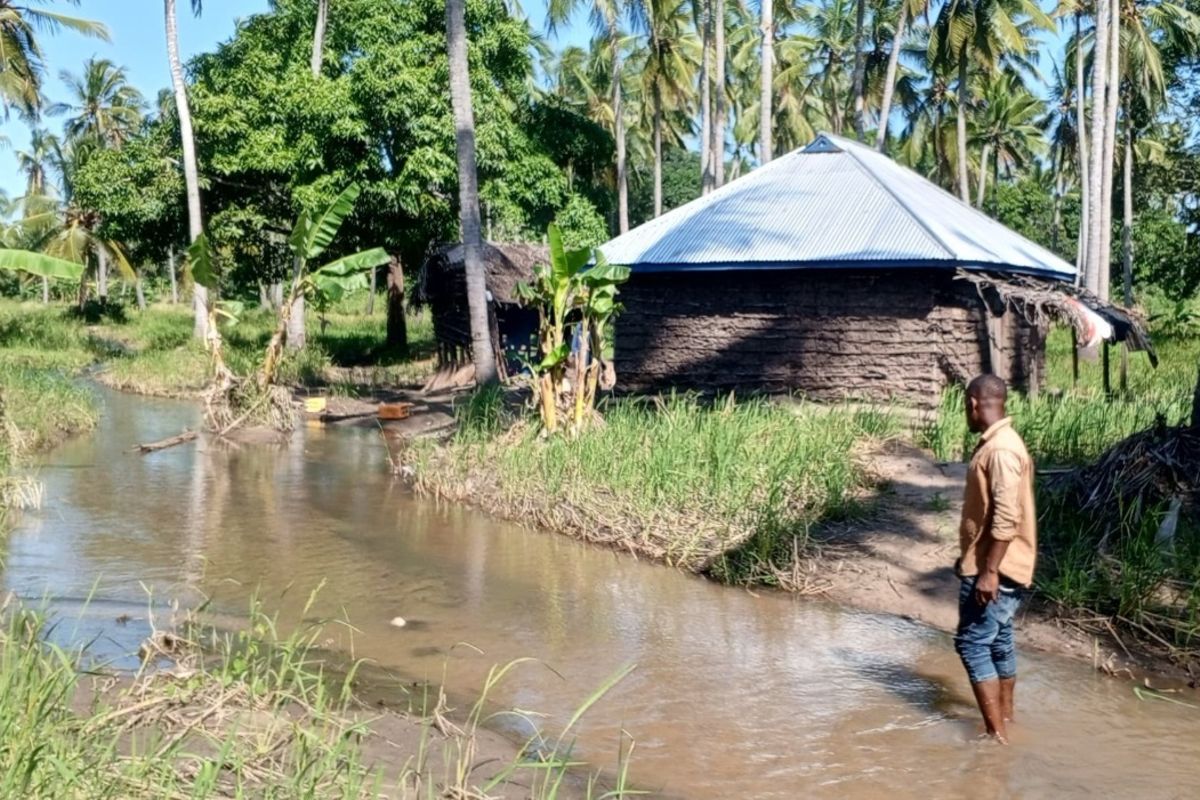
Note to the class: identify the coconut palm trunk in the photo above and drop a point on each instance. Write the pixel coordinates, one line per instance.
(45, 291)
(1081, 148)
(658, 160)
(482, 354)
(718, 144)
(859, 71)
(983, 167)
(1096, 167)
(889, 82)
(614, 38)
(766, 98)
(705, 99)
(191, 171)
(1110, 147)
(1127, 237)
(101, 275)
(171, 273)
(297, 330)
(318, 49)
(964, 187)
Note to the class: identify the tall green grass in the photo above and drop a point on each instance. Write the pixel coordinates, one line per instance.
(743, 478)
(1073, 424)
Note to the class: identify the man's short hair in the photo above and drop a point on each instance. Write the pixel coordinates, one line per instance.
(988, 387)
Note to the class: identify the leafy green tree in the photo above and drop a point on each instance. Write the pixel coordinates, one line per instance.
(581, 224)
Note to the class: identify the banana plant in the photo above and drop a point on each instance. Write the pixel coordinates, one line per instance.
(575, 283)
(310, 238)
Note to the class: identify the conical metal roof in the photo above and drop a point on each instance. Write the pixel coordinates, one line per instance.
(832, 204)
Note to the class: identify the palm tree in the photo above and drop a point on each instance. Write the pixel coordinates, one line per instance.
(296, 327)
(766, 81)
(103, 105)
(859, 78)
(825, 49)
(1007, 129)
(606, 21)
(988, 33)
(1096, 214)
(906, 9)
(1059, 126)
(667, 76)
(35, 163)
(318, 47)
(21, 65)
(191, 170)
(717, 148)
(482, 354)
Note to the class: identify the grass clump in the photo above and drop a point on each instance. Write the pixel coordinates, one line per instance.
(1117, 571)
(731, 488)
(246, 713)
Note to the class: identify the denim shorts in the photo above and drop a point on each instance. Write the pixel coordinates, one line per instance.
(984, 639)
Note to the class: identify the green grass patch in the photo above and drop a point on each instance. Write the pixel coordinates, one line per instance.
(1073, 424)
(732, 487)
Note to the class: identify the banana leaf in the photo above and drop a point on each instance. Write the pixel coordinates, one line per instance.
(40, 265)
(200, 262)
(313, 234)
(354, 264)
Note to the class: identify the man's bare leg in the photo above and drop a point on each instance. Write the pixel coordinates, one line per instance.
(987, 695)
(1007, 687)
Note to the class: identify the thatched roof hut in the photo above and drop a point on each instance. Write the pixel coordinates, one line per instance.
(837, 273)
(442, 285)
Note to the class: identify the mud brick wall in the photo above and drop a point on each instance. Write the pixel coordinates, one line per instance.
(869, 335)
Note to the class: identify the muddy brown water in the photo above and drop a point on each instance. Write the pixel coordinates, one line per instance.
(734, 695)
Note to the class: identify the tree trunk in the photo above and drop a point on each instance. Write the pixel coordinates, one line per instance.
(191, 171)
(1056, 212)
(1110, 147)
(140, 293)
(1127, 236)
(171, 272)
(705, 99)
(718, 145)
(1096, 168)
(618, 128)
(371, 289)
(964, 189)
(859, 71)
(102, 274)
(318, 48)
(983, 165)
(297, 335)
(1082, 148)
(658, 162)
(397, 326)
(889, 82)
(276, 292)
(766, 119)
(482, 354)
(45, 291)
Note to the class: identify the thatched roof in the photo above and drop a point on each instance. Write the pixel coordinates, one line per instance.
(507, 264)
(1040, 300)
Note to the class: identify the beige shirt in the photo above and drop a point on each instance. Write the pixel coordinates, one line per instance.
(998, 505)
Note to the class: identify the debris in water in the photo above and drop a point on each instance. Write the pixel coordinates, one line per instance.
(398, 622)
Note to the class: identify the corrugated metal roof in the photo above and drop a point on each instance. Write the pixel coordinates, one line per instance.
(834, 203)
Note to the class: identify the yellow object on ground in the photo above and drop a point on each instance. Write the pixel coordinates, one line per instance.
(315, 405)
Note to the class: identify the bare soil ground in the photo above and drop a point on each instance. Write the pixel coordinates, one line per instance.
(899, 560)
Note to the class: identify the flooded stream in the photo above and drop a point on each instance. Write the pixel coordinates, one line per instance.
(734, 695)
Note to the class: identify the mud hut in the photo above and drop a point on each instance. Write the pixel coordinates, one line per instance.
(837, 273)
(442, 286)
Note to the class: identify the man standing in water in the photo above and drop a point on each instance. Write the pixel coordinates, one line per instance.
(998, 537)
